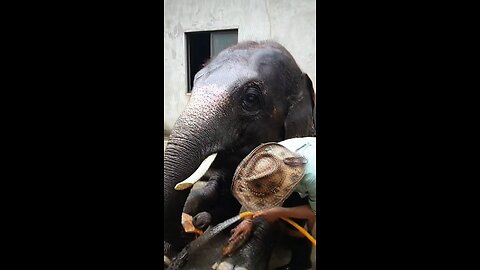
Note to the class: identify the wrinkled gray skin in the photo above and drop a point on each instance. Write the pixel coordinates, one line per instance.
(205, 251)
(207, 205)
(249, 94)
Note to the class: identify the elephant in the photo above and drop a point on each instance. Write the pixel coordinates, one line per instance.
(250, 93)
(206, 251)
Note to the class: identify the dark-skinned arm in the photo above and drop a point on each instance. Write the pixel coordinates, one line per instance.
(300, 212)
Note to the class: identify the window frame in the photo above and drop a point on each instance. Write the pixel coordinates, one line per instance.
(187, 49)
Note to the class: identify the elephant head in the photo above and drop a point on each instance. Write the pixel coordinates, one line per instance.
(251, 93)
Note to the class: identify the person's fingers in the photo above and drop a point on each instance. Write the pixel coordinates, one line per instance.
(235, 236)
(235, 233)
(258, 214)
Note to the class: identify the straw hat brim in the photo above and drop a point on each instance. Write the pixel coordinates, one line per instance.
(270, 168)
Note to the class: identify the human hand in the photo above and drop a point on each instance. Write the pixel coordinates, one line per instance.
(271, 215)
(242, 230)
(240, 234)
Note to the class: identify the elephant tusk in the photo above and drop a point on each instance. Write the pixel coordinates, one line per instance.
(187, 183)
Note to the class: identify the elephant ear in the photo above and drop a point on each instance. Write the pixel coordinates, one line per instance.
(301, 116)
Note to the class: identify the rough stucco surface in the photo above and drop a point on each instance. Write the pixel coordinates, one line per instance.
(291, 23)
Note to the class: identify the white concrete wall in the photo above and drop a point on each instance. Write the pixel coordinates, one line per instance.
(289, 22)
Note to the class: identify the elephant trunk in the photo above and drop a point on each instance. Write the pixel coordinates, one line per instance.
(193, 139)
(179, 163)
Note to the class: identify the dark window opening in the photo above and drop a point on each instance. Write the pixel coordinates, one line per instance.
(201, 46)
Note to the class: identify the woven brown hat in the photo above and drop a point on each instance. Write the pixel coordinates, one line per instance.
(267, 176)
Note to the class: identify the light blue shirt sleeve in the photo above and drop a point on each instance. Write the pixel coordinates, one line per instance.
(307, 187)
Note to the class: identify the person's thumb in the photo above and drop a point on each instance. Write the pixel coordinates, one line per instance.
(257, 214)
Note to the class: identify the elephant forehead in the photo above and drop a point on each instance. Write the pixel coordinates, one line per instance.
(208, 101)
(235, 67)
(270, 61)
(226, 76)
(211, 93)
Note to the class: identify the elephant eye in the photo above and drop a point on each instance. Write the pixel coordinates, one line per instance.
(251, 100)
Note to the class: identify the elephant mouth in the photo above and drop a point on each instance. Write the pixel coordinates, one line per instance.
(197, 174)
